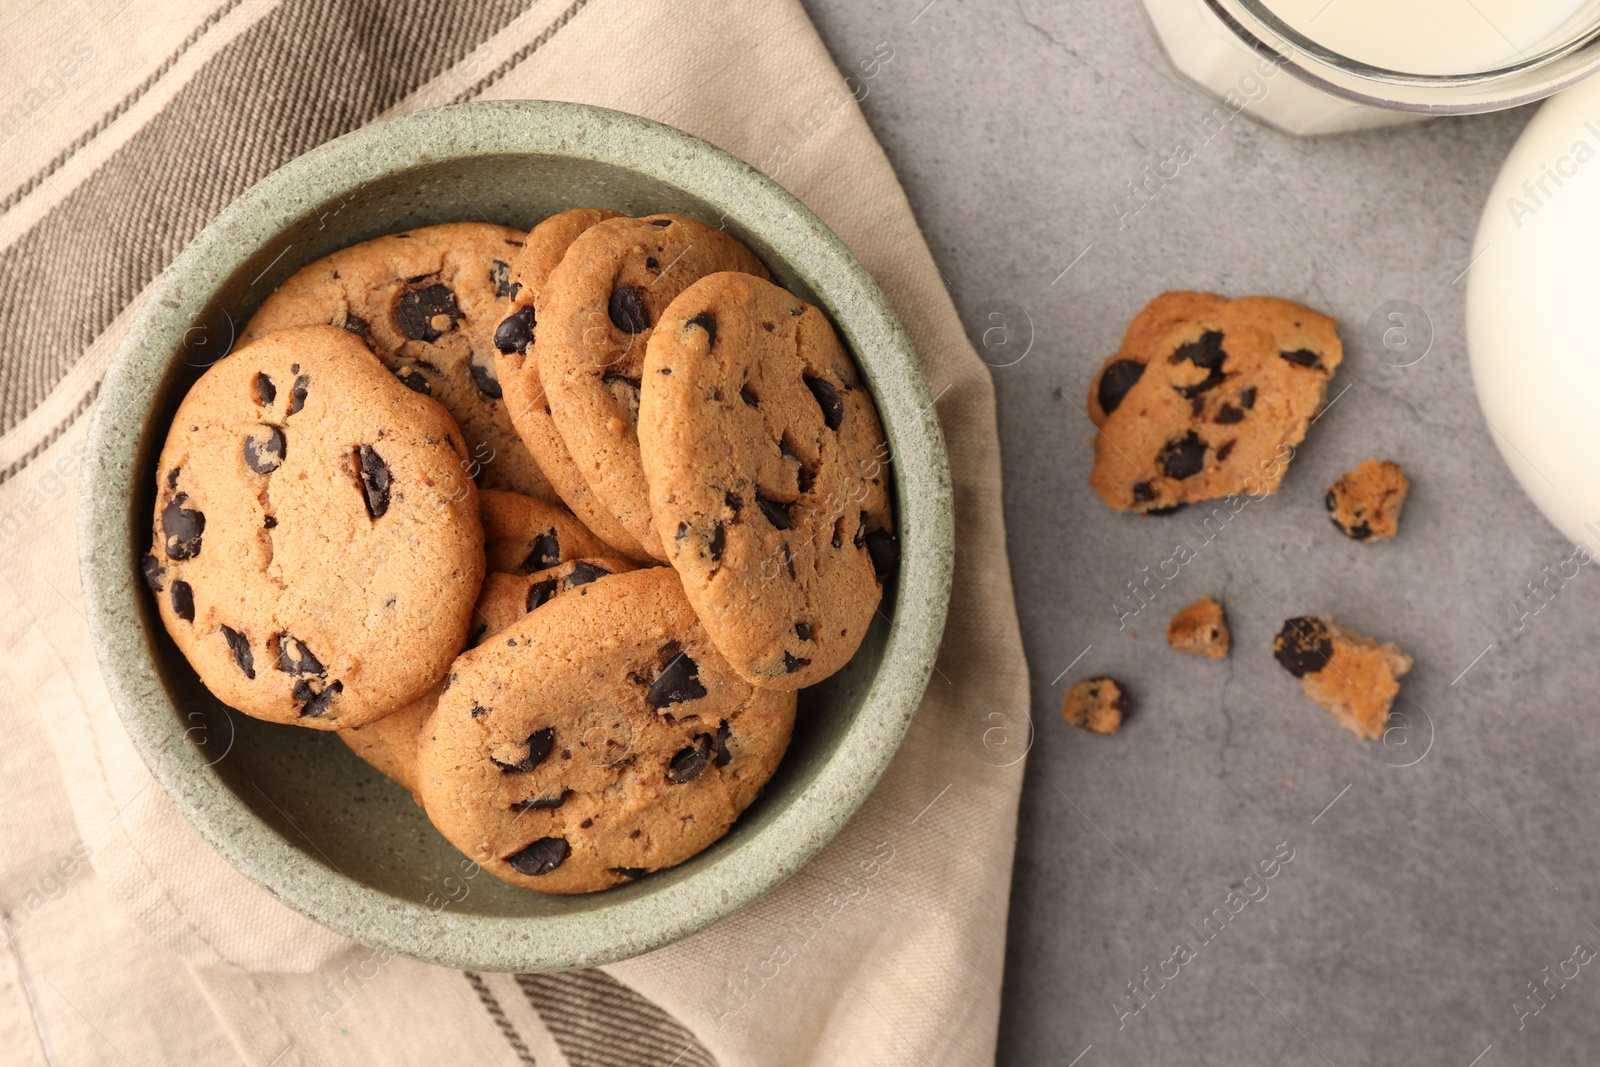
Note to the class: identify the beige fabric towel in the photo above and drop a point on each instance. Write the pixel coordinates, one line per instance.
(128, 937)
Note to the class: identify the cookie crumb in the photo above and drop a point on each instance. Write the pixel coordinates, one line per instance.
(1096, 705)
(1354, 677)
(1200, 629)
(1365, 502)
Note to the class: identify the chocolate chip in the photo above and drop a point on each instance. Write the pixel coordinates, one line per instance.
(1227, 415)
(545, 553)
(708, 323)
(416, 311)
(182, 600)
(265, 454)
(182, 528)
(413, 379)
(500, 275)
(734, 503)
(630, 872)
(270, 522)
(1183, 457)
(585, 824)
(295, 658)
(1116, 381)
(661, 222)
(153, 572)
(540, 742)
(828, 400)
(515, 332)
(679, 681)
(723, 736)
(1142, 492)
(627, 309)
(582, 574)
(788, 559)
(749, 398)
(240, 644)
(484, 379)
(1206, 352)
(1302, 357)
(802, 631)
(794, 663)
(1247, 397)
(652, 263)
(540, 803)
(172, 477)
(690, 763)
(265, 391)
(356, 325)
(375, 480)
(884, 550)
(1303, 646)
(478, 710)
(297, 394)
(776, 513)
(313, 703)
(719, 539)
(541, 857)
(1226, 450)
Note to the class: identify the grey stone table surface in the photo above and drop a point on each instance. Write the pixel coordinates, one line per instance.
(1435, 881)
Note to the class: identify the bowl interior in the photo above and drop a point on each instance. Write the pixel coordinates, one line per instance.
(298, 811)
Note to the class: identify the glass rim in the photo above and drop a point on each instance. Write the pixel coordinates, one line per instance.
(1526, 81)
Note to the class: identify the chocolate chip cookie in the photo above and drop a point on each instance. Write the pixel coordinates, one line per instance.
(317, 547)
(596, 316)
(1365, 502)
(390, 744)
(522, 535)
(542, 250)
(428, 302)
(1095, 704)
(597, 739)
(768, 474)
(1200, 629)
(1352, 676)
(1207, 397)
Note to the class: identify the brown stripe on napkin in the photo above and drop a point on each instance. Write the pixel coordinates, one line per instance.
(307, 72)
(508, 1029)
(599, 1022)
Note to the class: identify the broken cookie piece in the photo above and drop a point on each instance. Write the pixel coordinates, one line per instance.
(1200, 629)
(1365, 503)
(1207, 398)
(1352, 676)
(1096, 705)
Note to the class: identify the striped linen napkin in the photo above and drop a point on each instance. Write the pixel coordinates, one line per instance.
(128, 124)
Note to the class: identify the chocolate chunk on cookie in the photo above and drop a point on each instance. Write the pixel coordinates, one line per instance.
(596, 316)
(321, 544)
(1352, 676)
(523, 535)
(768, 471)
(390, 744)
(1207, 398)
(1200, 629)
(428, 303)
(518, 372)
(1365, 502)
(1095, 704)
(624, 786)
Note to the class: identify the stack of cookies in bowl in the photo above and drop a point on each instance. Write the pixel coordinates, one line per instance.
(550, 527)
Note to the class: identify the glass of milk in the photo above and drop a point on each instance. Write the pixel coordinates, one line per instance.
(1361, 63)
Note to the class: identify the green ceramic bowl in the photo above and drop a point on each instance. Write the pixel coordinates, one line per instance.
(294, 809)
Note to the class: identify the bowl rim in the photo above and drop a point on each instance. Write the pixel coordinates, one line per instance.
(627, 925)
